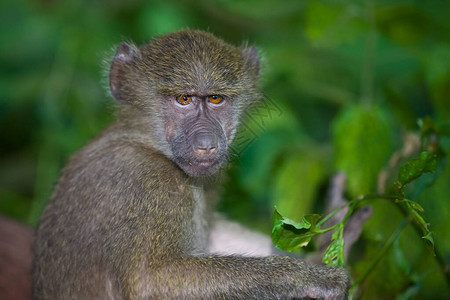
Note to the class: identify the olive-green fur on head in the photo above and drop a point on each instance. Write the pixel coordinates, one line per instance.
(185, 62)
(196, 60)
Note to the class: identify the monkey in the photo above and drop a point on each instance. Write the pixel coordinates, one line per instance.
(129, 217)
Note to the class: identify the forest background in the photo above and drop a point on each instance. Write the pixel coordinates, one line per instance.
(359, 87)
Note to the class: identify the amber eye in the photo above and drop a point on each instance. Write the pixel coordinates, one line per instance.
(215, 99)
(184, 100)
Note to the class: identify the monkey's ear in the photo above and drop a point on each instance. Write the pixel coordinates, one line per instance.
(119, 67)
(251, 54)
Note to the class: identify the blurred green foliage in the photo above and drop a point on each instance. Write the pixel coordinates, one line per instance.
(345, 83)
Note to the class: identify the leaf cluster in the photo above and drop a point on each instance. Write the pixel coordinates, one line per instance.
(289, 235)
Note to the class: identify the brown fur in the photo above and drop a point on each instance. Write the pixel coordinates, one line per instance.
(128, 219)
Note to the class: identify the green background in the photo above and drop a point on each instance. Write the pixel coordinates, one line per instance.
(345, 83)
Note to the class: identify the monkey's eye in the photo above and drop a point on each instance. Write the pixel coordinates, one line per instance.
(215, 99)
(184, 100)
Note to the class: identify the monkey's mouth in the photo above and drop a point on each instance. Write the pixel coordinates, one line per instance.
(207, 164)
(199, 168)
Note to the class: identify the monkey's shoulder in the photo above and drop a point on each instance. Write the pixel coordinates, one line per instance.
(115, 161)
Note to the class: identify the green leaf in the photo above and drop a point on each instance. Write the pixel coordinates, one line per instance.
(363, 142)
(307, 221)
(297, 181)
(289, 235)
(430, 239)
(334, 255)
(414, 168)
(413, 208)
(328, 29)
(409, 171)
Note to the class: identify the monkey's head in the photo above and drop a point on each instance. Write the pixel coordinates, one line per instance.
(187, 90)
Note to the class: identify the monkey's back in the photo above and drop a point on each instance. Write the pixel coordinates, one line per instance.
(103, 211)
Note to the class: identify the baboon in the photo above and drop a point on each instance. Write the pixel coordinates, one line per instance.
(129, 217)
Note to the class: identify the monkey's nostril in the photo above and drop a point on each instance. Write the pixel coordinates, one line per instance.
(205, 143)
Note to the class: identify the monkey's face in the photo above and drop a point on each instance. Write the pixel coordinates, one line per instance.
(186, 90)
(198, 132)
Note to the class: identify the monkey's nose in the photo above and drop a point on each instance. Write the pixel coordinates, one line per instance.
(205, 143)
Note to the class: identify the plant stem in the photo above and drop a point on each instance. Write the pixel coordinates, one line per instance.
(333, 213)
(437, 255)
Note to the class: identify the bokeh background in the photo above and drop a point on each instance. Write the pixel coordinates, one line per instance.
(345, 84)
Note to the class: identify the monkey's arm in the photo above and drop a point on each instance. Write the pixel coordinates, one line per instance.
(234, 277)
(146, 232)
(156, 247)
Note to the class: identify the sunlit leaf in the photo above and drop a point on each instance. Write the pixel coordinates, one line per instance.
(307, 222)
(289, 235)
(298, 181)
(415, 167)
(362, 142)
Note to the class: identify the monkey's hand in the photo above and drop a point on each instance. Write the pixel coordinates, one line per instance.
(321, 282)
